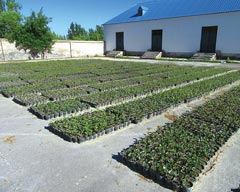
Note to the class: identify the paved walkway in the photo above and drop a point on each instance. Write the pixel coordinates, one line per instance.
(233, 66)
(32, 159)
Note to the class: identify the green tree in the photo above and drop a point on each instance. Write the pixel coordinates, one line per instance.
(10, 18)
(2, 6)
(95, 34)
(76, 32)
(99, 32)
(58, 37)
(34, 35)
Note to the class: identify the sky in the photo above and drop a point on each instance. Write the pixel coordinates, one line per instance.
(87, 13)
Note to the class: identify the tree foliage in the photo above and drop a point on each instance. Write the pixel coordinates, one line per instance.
(77, 32)
(10, 18)
(96, 34)
(58, 37)
(34, 35)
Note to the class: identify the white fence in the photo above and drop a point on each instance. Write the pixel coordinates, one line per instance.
(61, 49)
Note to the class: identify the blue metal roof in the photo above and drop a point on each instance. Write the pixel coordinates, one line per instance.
(163, 9)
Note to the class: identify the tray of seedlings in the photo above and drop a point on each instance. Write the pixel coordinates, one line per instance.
(88, 126)
(67, 93)
(165, 156)
(58, 108)
(136, 111)
(17, 82)
(35, 88)
(126, 93)
(30, 99)
(114, 84)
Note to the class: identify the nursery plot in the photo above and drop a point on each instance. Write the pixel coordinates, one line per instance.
(33, 88)
(114, 84)
(136, 111)
(75, 76)
(16, 82)
(94, 82)
(157, 103)
(58, 88)
(58, 108)
(79, 129)
(30, 99)
(140, 110)
(165, 155)
(226, 116)
(61, 94)
(113, 96)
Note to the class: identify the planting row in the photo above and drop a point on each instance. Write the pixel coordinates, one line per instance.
(89, 126)
(62, 70)
(175, 155)
(61, 91)
(136, 111)
(30, 99)
(155, 104)
(58, 108)
(34, 78)
(108, 97)
(118, 95)
(226, 116)
(61, 94)
(36, 88)
(48, 84)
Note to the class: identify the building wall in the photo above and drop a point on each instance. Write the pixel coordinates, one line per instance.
(180, 35)
(61, 49)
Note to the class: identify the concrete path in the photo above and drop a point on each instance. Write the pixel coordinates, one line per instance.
(137, 59)
(184, 63)
(33, 159)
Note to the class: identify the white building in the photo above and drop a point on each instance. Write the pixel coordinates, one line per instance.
(177, 27)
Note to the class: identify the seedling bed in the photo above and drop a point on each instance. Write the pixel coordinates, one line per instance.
(165, 156)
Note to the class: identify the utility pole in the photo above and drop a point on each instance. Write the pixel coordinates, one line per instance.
(2, 50)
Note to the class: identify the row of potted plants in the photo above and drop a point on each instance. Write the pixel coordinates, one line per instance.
(30, 99)
(38, 83)
(140, 108)
(45, 87)
(155, 104)
(225, 116)
(58, 108)
(68, 93)
(128, 67)
(76, 76)
(145, 77)
(34, 88)
(114, 84)
(147, 107)
(118, 95)
(41, 78)
(80, 129)
(6, 84)
(183, 78)
(175, 155)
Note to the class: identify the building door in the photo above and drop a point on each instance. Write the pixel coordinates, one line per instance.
(157, 40)
(119, 41)
(209, 39)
